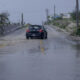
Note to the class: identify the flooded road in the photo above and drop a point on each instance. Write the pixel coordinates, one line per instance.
(56, 58)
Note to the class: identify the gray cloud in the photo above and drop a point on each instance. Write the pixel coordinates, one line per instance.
(34, 10)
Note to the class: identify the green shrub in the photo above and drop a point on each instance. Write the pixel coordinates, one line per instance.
(78, 32)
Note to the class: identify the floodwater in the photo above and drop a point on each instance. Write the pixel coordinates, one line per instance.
(56, 58)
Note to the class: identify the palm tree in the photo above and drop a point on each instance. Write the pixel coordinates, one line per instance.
(4, 18)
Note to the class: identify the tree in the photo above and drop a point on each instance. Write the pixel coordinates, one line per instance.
(4, 18)
(73, 15)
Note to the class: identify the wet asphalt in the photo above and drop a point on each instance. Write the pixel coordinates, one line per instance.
(57, 58)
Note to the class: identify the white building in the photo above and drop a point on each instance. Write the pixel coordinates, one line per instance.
(66, 16)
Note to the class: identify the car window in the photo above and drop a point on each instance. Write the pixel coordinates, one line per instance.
(35, 27)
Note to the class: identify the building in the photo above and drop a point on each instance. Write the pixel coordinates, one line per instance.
(66, 15)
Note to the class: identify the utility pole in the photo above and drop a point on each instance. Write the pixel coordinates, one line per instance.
(22, 19)
(77, 14)
(54, 11)
(47, 15)
(42, 23)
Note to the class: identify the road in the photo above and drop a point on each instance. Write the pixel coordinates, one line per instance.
(57, 58)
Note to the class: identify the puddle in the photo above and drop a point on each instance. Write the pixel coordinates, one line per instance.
(77, 49)
(34, 50)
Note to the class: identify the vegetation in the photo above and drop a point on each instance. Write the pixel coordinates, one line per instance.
(73, 15)
(4, 18)
(62, 23)
(78, 32)
(69, 24)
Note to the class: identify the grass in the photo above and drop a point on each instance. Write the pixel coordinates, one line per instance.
(78, 32)
(63, 24)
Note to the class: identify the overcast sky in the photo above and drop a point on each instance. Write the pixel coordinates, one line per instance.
(34, 10)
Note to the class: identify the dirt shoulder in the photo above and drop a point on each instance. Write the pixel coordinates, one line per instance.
(75, 38)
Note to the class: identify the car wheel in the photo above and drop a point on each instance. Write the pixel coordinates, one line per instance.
(31, 37)
(42, 37)
(46, 36)
(27, 37)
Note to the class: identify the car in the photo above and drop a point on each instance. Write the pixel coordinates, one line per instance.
(36, 31)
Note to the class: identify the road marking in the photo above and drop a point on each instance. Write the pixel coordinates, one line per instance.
(42, 50)
(41, 42)
(41, 46)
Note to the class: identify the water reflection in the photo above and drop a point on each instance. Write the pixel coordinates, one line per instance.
(78, 50)
(77, 66)
(2, 69)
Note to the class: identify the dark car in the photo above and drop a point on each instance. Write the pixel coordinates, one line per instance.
(36, 31)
